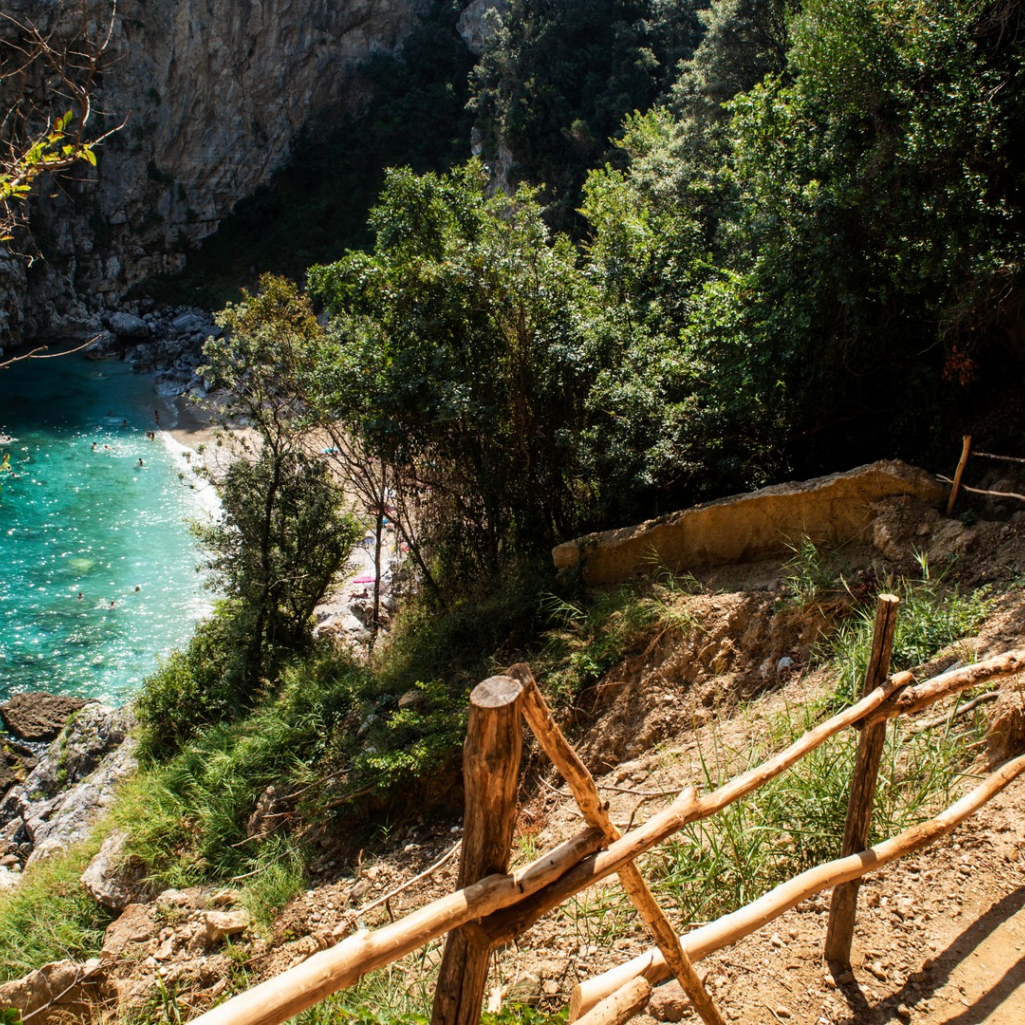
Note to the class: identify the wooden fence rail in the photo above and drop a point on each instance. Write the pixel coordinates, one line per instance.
(488, 912)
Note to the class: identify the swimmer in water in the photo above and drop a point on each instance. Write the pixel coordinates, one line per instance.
(80, 595)
(94, 446)
(141, 464)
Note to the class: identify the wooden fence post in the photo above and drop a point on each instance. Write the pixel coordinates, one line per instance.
(844, 904)
(491, 764)
(966, 447)
(585, 792)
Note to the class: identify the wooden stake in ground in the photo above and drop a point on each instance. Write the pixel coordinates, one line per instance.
(844, 904)
(491, 764)
(966, 447)
(582, 786)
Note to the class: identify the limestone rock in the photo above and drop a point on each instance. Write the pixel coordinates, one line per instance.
(37, 715)
(215, 94)
(16, 762)
(268, 813)
(104, 345)
(1005, 737)
(111, 877)
(668, 1002)
(219, 924)
(66, 985)
(526, 989)
(125, 325)
(191, 323)
(743, 528)
(135, 925)
(73, 783)
(477, 24)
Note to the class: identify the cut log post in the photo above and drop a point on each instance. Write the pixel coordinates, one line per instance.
(582, 786)
(491, 763)
(731, 928)
(844, 905)
(966, 447)
(621, 1006)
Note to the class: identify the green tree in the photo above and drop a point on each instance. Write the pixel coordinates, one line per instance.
(283, 536)
(876, 216)
(558, 78)
(462, 356)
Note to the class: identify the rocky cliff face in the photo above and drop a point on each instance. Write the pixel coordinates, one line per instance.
(212, 95)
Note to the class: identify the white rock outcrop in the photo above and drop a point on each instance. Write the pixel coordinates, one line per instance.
(212, 96)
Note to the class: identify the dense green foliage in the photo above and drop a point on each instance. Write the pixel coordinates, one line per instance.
(816, 226)
(557, 80)
(284, 534)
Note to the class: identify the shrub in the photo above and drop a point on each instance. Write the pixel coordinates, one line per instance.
(187, 693)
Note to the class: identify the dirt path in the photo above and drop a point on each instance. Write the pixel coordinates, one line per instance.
(940, 941)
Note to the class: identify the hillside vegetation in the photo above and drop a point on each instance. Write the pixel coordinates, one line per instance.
(736, 243)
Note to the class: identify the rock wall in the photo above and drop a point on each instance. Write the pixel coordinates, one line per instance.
(832, 510)
(212, 96)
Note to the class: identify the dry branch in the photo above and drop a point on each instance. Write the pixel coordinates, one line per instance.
(983, 491)
(1002, 459)
(913, 699)
(581, 783)
(948, 717)
(733, 927)
(367, 908)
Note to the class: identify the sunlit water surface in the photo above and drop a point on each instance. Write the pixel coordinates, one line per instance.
(97, 563)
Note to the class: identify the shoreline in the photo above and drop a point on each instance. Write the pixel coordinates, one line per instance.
(190, 434)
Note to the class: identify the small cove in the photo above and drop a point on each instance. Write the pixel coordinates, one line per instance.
(98, 567)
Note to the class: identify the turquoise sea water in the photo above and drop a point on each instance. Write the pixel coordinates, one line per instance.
(97, 564)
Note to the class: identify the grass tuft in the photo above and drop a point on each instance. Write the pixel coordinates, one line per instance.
(51, 916)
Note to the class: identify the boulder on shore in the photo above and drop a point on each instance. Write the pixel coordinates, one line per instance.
(37, 715)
